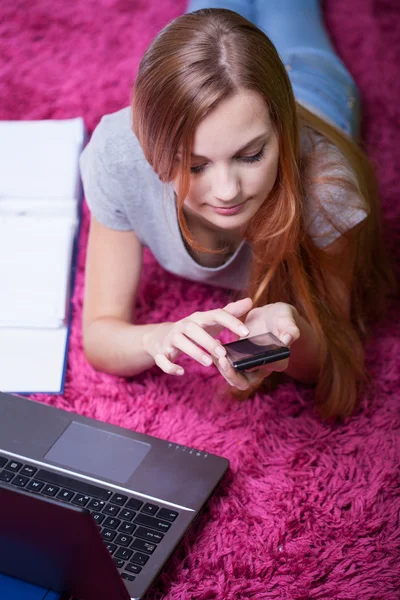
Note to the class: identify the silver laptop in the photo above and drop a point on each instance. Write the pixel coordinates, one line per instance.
(134, 494)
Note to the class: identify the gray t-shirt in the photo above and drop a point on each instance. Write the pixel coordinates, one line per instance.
(124, 193)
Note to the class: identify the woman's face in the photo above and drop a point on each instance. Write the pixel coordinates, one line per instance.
(234, 162)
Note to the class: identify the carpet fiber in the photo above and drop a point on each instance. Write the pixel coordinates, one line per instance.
(309, 510)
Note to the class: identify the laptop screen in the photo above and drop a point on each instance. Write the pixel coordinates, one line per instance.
(98, 452)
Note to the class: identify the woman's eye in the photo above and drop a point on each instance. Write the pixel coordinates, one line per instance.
(198, 169)
(254, 158)
(246, 159)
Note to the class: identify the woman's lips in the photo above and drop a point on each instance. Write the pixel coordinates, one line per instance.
(233, 210)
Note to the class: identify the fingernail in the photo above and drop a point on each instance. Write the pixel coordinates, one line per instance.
(243, 330)
(206, 360)
(220, 351)
(286, 339)
(180, 371)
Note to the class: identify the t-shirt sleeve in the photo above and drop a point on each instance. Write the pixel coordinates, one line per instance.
(102, 189)
(334, 203)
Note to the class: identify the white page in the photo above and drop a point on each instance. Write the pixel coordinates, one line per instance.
(32, 360)
(50, 207)
(35, 270)
(39, 159)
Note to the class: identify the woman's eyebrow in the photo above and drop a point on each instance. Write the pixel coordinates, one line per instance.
(259, 138)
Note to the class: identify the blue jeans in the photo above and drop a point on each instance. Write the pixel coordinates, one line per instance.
(319, 79)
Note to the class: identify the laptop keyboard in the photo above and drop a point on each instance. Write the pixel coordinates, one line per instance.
(131, 529)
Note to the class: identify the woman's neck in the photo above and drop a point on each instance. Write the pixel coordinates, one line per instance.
(212, 238)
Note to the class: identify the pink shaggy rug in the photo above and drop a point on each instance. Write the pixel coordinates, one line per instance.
(309, 510)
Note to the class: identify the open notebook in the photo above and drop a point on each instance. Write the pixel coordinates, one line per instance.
(39, 215)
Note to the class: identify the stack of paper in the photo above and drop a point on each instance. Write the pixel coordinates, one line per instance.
(39, 210)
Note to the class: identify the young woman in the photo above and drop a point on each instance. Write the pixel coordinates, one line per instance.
(231, 181)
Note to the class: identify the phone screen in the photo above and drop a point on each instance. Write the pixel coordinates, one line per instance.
(255, 351)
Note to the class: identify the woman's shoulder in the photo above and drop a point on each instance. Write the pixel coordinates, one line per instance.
(114, 141)
(333, 203)
(115, 174)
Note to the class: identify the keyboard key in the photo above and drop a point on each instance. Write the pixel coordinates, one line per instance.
(65, 495)
(111, 523)
(98, 518)
(150, 509)
(140, 559)
(6, 476)
(28, 470)
(50, 490)
(13, 466)
(123, 553)
(133, 568)
(74, 484)
(152, 522)
(127, 515)
(96, 505)
(111, 547)
(119, 499)
(134, 504)
(148, 535)
(34, 485)
(20, 481)
(123, 540)
(167, 514)
(80, 500)
(128, 577)
(119, 562)
(143, 546)
(111, 509)
(3, 461)
(127, 528)
(108, 535)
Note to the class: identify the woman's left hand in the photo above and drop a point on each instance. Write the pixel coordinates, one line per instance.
(278, 318)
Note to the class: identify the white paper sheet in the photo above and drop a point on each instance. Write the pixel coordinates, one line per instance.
(32, 360)
(35, 271)
(49, 207)
(39, 159)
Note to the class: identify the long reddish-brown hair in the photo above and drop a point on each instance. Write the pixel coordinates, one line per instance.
(194, 63)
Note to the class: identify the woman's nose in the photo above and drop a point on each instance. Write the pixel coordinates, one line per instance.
(225, 185)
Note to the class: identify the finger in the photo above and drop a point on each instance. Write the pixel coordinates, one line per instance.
(240, 307)
(231, 375)
(278, 365)
(167, 366)
(216, 362)
(202, 338)
(257, 376)
(172, 353)
(288, 334)
(187, 346)
(287, 330)
(222, 318)
(224, 375)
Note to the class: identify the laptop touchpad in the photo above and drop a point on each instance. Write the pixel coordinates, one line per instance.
(98, 452)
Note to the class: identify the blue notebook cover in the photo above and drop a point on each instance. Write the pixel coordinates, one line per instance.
(16, 589)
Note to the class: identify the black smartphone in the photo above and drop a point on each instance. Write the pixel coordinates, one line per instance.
(255, 351)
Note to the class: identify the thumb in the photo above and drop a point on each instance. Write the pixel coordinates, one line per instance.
(240, 307)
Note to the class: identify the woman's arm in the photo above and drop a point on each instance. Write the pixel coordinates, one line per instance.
(112, 342)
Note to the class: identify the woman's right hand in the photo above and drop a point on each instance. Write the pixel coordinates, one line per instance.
(195, 336)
